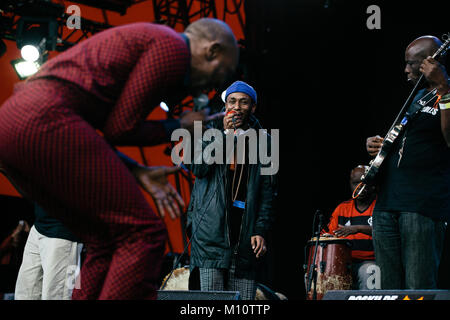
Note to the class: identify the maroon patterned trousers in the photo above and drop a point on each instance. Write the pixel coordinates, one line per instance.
(58, 159)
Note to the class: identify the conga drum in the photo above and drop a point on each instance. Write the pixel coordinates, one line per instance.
(332, 266)
(178, 280)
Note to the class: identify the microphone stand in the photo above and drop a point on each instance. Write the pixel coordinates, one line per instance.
(312, 274)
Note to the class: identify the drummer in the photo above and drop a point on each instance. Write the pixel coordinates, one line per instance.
(352, 220)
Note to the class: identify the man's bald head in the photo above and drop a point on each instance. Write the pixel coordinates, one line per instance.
(211, 29)
(357, 172)
(424, 46)
(214, 54)
(416, 52)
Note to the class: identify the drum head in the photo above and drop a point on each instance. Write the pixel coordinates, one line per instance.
(179, 280)
(329, 240)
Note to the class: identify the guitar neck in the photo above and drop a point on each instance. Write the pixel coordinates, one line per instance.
(407, 103)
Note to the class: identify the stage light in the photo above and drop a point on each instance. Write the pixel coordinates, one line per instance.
(30, 53)
(25, 69)
(36, 36)
(32, 41)
(164, 106)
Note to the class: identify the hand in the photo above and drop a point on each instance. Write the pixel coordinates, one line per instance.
(258, 246)
(326, 235)
(154, 181)
(17, 233)
(187, 118)
(343, 231)
(436, 75)
(373, 145)
(228, 120)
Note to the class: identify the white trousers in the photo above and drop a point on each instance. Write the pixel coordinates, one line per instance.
(49, 270)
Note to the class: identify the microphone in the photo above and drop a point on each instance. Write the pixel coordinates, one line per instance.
(200, 102)
(233, 113)
(234, 122)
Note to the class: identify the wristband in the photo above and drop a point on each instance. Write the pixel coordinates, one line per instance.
(444, 105)
(445, 98)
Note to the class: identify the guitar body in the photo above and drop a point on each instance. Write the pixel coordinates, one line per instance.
(374, 165)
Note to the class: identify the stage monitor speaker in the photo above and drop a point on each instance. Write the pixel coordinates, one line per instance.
(197, 295)
(387, 295)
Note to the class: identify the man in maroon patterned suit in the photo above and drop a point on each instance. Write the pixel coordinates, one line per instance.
(50, 145)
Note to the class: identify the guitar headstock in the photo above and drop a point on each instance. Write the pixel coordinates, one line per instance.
(445, 45)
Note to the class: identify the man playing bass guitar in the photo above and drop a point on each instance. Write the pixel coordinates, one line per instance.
(414, 181)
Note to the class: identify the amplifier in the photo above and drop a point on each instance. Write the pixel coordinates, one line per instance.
(387, 295)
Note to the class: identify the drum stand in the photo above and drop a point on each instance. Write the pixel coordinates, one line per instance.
(312, 274)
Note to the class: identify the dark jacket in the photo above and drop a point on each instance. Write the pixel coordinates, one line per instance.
(208, 216)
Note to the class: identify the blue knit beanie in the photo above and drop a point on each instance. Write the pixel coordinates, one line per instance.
(241, 86)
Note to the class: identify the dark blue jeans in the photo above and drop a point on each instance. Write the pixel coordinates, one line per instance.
(408, 248)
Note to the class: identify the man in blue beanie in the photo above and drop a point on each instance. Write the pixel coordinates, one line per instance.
(242, 103)
(230, 212)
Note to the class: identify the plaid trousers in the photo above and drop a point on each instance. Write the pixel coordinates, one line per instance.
(214, 279)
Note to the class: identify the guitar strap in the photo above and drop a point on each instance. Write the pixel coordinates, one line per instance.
(419, 103)
(413, 112)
